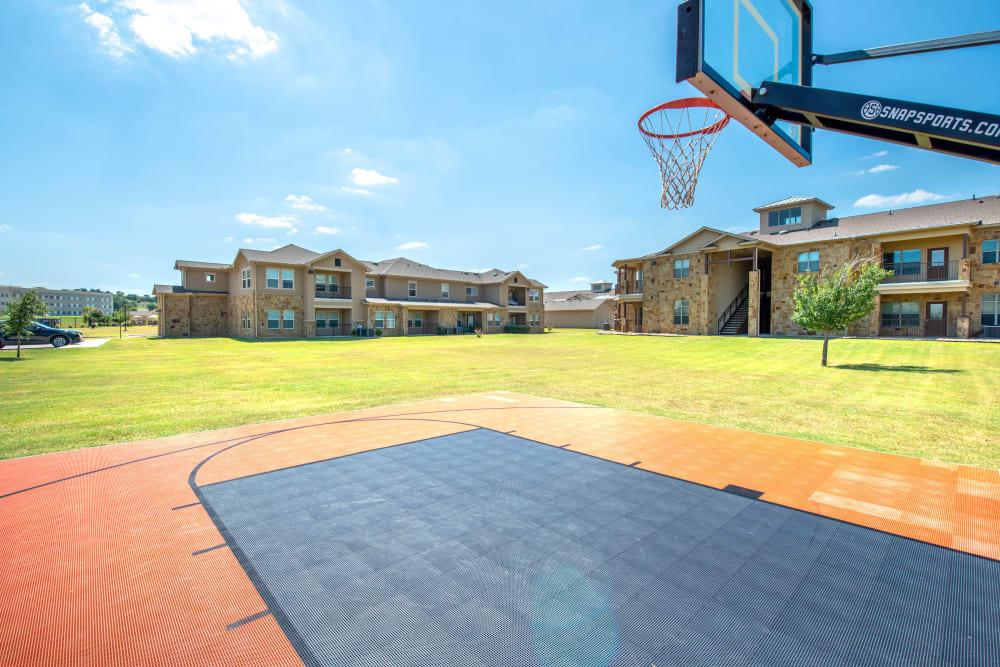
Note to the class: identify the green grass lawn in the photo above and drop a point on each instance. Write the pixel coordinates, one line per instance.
(930, 399)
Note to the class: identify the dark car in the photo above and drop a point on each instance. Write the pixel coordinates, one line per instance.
(40, 334)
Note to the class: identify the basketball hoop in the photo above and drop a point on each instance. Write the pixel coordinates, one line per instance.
(680, 136)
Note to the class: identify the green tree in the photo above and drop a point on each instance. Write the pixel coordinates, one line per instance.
(19, 314)
(830, 302)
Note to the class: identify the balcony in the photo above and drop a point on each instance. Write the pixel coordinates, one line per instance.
(333, 292)
(630, 287)
(919, 272)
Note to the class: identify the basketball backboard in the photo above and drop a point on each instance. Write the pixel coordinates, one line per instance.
(727, 48)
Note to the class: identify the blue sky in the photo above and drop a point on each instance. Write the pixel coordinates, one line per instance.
(463, 135)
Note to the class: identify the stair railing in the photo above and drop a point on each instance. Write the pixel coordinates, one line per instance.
(731, 308)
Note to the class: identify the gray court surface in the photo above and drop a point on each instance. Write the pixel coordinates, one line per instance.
(482, 548)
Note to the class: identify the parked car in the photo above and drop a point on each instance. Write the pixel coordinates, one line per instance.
(40, 334)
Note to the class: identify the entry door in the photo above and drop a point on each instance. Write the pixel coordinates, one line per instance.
(470, 321)
(937, 319)
(937, 267)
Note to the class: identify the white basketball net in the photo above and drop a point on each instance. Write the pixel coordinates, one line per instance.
(680, 139)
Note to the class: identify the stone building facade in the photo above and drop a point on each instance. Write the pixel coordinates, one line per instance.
(293, 292)
(944, 259)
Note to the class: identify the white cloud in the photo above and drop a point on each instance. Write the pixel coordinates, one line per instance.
(882, 167)
(411, 245)
(881, 153)
(228, 239)
(258, 241)
(353, 228)
(107, 31)
(304, 203)
(521, 267)
(580, 279)
(292, 231)
(181, 28)
(282, 221)
(134, 275)
(6, 228)
(370, 177)
(357, 191)
(596, 246)
(889, 201)
(327, 230)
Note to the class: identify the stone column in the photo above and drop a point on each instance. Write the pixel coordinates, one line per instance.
(875, 319)
(753, 305)
(963, 326)
(404, 320)
(709, 306)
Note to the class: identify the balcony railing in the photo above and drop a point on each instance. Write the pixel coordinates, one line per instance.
(342, 330)
(630, 287)
(333, 292)
(920, 272)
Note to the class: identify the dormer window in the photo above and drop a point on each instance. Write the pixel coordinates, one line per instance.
(785, 216)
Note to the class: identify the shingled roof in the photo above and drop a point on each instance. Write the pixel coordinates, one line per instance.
(287, 254)
(984, 210)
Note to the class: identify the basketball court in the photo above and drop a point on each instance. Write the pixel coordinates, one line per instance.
(495, 529)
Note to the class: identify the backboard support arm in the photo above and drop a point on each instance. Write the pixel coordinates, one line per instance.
(909, 48)
(969, 134)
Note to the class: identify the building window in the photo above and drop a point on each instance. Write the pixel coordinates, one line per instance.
(534, 320)
(385, 319)
(416, 321)
(991, 310)
(287, 279)
(682, 268)
(209, 277)
(245, 319)
(369, 284)
(320, 319)
(809, 261)
(334, 319)
(902, 262)
(272, 278)
(492, 319)
(534, 295)
(681, 311)
(336, 261)
(991, 252)
(471, 291)
(411, 288)
(245, 275)
(273, 319)
(379, 319)
(288, 319)
(901, 314)
(787, 216)
(445, 292)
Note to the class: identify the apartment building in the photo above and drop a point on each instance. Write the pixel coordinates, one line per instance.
(944, 261)
(294, 292)
(61, 301)
(581, 309)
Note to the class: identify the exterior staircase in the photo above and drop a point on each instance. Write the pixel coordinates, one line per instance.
(737, 323)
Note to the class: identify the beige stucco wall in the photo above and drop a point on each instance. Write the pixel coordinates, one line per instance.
(194, 279)
(581, 319)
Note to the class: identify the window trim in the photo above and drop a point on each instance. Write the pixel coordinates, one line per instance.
(898, 316)
(682, 312)
(267, 277)
(995, 251)
(445, 290)
(245, 278)
(209, 277)
(285, 319)
(812, 266)
(411, 288)
(283, 272)
(995, 298)
(277, 318)
(369, 284)
(682, 268)
(774, 218)
(471, 290)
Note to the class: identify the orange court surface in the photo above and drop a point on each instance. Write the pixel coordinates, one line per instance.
(134, 554)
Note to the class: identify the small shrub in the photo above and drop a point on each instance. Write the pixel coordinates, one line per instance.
(517, 328)
(378, 332)
(354, 332)
(441, 330)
